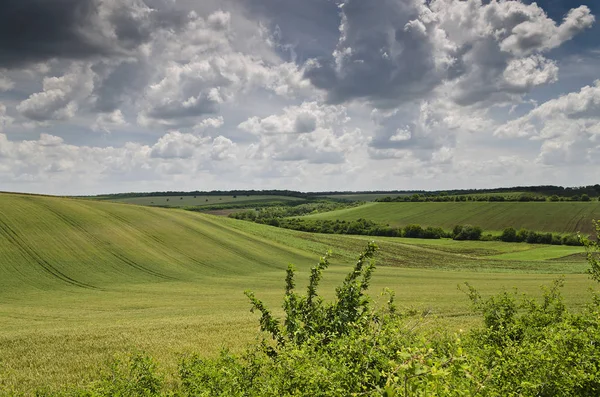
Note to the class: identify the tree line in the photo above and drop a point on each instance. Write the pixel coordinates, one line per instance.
(444, 197)
(365, 227)
(547, 190)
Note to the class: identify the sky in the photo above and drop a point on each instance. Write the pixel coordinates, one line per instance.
(106, 96)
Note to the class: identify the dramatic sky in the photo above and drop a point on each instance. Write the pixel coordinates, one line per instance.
(143, 95)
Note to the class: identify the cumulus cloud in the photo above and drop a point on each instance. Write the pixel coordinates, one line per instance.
(310, 132)
(223, 149)
(215, 123)
(60, 97)
(433, 76)
(391, 52)
(177, 145)
(569, 127)
(108, 121)
(500, 46)
(305, 118)
(203, 69)
(534, 31)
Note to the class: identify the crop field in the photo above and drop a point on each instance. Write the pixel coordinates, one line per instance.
(193, 201)
(362, 196)
(560, 217)
(83, 280)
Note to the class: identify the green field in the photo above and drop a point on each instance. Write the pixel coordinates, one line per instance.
(375, 196)
(193, 201)
(82, 280)
(361, 196)
(561, 217)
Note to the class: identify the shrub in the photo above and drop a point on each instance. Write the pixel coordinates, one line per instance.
(509, 235)
(532, 237)
(467, 232)
(413, 231)
(433, 233)
(522, 235)
(571, 240)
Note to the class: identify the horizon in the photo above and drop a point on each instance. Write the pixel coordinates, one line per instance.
(497, 189)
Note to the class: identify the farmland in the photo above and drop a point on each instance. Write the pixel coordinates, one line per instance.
(81, 280)
(204, 200)
(561, 217)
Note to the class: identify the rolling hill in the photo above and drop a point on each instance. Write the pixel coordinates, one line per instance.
(204, 200)
(83, 280)
(561, 217)
(49, 241)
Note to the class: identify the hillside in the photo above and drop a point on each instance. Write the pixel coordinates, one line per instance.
(81, 280)
(47, 242)
(205, 200)
(562, 217)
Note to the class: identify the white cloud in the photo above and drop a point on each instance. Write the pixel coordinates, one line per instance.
(500, 45)
(223, 149)
(176, 145)
(60, 97)
(305, 118)
(569, 127)
(108, 121)
(309, 132)
(409, 86)
(207, 123)
(534, 31)
(391, 52)
(203, 68)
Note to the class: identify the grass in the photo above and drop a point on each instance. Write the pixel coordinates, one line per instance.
(82, 280)
(560, 217)
(194, 201)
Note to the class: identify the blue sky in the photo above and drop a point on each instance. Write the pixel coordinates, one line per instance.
(138, 95)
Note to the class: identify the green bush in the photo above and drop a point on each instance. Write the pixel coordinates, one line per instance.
(467, 232)
(413, 231)
(509, 235)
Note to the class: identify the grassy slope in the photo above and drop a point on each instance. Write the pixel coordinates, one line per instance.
(191, 201)
(563, 217)
(81, 280)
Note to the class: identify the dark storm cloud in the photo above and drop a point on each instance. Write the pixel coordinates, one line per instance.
(380, 57)
(38, 30)
(35, 30)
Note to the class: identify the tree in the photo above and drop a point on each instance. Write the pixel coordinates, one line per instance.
(585, 197)
(509, 235)
(413, 231)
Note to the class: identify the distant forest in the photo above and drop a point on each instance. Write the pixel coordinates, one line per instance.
(549, 190)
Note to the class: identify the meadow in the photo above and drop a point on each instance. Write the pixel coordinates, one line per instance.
(556, 217)
(83, 280)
